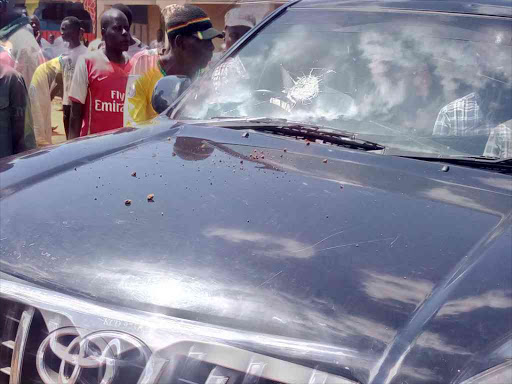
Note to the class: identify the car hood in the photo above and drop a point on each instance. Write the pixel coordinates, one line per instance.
(386, 256)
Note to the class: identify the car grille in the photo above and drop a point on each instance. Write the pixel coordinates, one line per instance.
(21, 331)
(38, 346)
(15, 326)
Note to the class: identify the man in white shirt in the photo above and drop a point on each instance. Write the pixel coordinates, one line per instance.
(71, 31)
(18, 47)
(136, 45)
(238, 21)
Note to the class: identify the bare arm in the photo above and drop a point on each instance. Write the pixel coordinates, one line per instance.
(56, 88)
(75, 121)
(77, 96)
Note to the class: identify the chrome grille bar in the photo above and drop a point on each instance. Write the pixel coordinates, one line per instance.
(19, 345)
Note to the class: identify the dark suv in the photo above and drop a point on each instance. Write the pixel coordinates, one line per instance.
(330, 203)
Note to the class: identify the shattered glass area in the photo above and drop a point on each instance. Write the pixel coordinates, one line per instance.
(305, 88)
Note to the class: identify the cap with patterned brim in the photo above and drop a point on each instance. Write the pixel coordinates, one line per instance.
(201, 28)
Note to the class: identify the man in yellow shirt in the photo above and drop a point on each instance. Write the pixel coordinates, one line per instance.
(190, 33)
(41, 94)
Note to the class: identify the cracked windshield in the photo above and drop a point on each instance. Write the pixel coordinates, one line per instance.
(415, 83)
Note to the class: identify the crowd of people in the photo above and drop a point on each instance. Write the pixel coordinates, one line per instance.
(104, 86)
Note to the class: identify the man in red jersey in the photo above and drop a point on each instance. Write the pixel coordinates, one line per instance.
(99, 82)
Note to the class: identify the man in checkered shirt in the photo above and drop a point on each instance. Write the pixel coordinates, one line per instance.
(465, 117)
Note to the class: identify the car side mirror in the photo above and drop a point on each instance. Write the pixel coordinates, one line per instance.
(167, 90)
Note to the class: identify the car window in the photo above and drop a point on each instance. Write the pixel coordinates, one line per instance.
(423, 82)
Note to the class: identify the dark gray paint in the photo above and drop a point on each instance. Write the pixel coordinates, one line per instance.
(404, 262)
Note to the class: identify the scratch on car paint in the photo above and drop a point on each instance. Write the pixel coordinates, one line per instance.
(393, 242)
(271, 278)
(356, 244)
(321, 241)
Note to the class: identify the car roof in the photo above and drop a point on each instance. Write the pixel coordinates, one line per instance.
(502, 8)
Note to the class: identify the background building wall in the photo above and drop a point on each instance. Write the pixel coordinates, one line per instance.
(147, 14)
(154, 21)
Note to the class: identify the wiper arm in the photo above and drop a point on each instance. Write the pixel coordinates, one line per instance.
(298, 129)
(481, 162)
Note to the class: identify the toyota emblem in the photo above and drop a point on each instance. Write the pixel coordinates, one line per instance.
(79, 353)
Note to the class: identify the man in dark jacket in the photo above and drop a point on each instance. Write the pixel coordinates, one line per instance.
(16, 131)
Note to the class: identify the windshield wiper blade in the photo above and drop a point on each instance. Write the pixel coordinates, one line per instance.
(481, 162)
(298, 129)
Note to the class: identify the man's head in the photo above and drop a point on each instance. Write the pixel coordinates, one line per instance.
(115, 30)
(35, 24)
(127, 12)
(51, 38)
(190, 33)
(70, 29)
(238, 22)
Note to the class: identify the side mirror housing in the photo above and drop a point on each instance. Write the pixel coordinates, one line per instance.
(167, 90)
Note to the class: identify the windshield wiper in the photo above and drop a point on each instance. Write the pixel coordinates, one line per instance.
(307, 131)
(481, 162)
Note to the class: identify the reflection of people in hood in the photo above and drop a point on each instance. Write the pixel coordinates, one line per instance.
(192, 149)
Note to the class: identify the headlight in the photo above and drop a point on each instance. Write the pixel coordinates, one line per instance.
(50, 338)
(500, 374)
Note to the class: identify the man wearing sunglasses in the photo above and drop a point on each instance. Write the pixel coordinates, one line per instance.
(190, 34)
